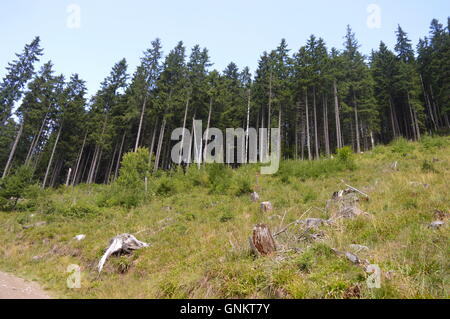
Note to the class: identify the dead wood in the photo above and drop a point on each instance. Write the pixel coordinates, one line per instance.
(121, 244)
(262, 240)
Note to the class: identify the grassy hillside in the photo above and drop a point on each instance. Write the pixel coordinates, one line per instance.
(198, 226)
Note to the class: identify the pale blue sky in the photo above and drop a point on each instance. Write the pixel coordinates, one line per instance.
(232, 30)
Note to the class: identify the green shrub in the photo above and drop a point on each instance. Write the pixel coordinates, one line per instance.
(428, 167)
(346, 157)
(165, 186)
(402, 147)
(14, 186)
(134, 169)
(219, 178)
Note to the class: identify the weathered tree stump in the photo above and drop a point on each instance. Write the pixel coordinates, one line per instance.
(266, 206)
(254, 197)
(124, 243)
(262, 241)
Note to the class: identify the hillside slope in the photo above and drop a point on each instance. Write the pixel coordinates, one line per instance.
(198, 226)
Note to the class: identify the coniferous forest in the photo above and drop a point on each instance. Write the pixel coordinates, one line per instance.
(321, 98)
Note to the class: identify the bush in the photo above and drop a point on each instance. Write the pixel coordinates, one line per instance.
(346, 157)
(428, 167)
(134, 169)
(402, 147)
(219, 178)
(13, 187)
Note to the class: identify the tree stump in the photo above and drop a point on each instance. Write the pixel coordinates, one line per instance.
(266, 206)
(254, 197)
(262, 240)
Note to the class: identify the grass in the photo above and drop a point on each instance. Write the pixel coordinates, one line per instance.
(198, 225)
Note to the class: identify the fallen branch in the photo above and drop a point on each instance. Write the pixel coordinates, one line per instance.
(355, 189)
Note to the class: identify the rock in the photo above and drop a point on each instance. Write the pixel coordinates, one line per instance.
(436, 224)
(80, 237)
(254, 197)
(266, 206)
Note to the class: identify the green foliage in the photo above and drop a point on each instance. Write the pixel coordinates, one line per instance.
(346, 157)
(402, 147)
(428, 167)
(134, 169)
(14, 186)
(219, 178)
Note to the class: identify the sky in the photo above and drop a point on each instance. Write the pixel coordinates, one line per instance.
(88, 37)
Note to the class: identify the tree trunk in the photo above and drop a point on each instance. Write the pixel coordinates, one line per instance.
(316, 137)
(79, 160)
(13, 151)
(152, 145)
(247, 126)
(326, 133)
(140, 123)
(337, 117)
(308, 137)
(428, 104)
(158, 150)
(184, 128)
(119, 156)
(51, 157)
(358, 142)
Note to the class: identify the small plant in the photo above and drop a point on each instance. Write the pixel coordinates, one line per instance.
(346, 157)
(428, 167)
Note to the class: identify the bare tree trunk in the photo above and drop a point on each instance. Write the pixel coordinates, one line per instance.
(316, 137)
(325, 126)
(79, 160)
(119, 155)
(13, 150)
(51, 157)
(97, 167)
(93, 163)
(337, 117)
(110, 166)
(140, 124)
(358, 142)
(392, 118)
(308, 137)
(150, 156)
(56, 171)
(413, 121)
(184, 127)
(158, 150)
(35, 141)
(247, 127)
(269, 113)
(436, 108)
(85, 166)
(209, 123)
(428, 104)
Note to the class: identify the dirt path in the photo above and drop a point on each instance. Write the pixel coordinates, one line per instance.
(12, 287)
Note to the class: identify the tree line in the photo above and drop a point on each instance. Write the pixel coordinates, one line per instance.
(321, 99)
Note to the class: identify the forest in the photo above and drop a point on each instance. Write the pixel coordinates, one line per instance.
(321, 99)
